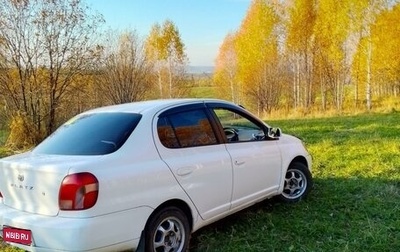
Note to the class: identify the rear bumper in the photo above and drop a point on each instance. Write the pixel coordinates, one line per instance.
(116, 231)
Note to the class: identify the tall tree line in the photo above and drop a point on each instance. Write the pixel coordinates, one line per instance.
(318, 54)
(55, 61)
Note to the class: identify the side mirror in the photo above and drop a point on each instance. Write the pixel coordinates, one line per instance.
(274, 133)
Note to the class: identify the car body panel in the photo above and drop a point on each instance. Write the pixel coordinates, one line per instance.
(199, 176)
(293, 148)
(29, 181)
(102, 233)
(256, 170)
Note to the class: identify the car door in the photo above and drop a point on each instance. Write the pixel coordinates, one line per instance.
(200, 163)
(256, 160)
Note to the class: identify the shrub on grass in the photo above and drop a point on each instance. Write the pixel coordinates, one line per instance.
(23, 133)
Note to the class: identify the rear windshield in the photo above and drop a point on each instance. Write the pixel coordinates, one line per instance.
(90, 134)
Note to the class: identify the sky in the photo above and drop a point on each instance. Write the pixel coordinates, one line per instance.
(202, 24)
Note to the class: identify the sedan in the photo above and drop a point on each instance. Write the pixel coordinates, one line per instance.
(145, 175)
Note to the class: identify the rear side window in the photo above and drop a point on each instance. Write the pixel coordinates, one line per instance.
(90, 134)
(185, 129)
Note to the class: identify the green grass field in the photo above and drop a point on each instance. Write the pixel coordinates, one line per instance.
(355, 203)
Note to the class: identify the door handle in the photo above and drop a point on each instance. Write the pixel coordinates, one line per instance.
(239, 162)
(184, 171)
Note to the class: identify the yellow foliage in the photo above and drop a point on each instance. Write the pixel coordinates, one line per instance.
(385, 36)
(301, 24)
(332, 30)
(225, 70)
(385, 56)
(23, 133)
(256, 44)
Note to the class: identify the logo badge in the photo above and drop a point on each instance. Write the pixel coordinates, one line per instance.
(21, 177)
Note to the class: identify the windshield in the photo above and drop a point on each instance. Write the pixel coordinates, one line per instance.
(90, 134)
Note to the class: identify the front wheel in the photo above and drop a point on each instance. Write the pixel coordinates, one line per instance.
(168, 230)
(298, 183)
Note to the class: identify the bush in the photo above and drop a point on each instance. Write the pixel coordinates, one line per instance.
(23, 133)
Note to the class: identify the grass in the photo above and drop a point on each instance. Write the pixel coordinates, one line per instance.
(3, 150)
(354, 205)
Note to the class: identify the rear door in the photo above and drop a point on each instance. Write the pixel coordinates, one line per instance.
(188, 144)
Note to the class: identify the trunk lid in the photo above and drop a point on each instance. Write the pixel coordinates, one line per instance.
(31, 182)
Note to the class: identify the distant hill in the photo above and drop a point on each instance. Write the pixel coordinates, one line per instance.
(200, 69)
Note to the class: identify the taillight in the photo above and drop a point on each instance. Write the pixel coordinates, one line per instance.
(78, 191)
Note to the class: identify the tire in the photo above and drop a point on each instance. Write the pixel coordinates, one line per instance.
(298, 183)
(167, 230)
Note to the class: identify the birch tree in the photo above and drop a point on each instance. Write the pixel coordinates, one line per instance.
(257, 52)
(226, 69)
(300, 45)
(363, 16)
(166, 48)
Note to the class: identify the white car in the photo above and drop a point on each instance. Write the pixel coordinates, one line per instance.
(145, 175)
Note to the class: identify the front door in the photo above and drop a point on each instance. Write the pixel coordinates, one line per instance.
(256, 160)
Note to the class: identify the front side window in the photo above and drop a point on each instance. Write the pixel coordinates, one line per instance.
(90, 134)
(185, 129)
(238, 128)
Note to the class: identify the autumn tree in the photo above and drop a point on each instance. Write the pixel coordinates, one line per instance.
(18, 45)
(303, 54)
(45, 45)
(386, 56)
(257, 56)
(300, 46)
(331, 34)
(363, 17)
(124, 70)
(226, 70)
(153, 42)
(165, 48)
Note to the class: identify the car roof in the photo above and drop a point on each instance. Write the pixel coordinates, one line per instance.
(142, 107)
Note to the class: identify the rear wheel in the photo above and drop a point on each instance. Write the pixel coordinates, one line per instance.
(298, 183)
(168, 230)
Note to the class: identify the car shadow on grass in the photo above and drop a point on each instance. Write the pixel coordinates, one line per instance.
(358, 214)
